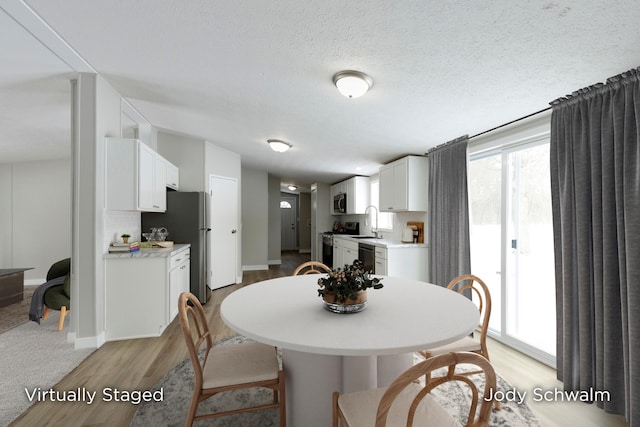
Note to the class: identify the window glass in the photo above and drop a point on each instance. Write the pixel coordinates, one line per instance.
(385, 219)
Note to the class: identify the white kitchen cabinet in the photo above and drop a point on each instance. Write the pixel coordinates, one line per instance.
(380, 261)
(357, 189)
(135, 176)
(404, 185)
(142, 290)
(173, 176)
(358, 194)
(345, 251)
(178, 280)
(338, 253)
(159, 201)
(403, 261)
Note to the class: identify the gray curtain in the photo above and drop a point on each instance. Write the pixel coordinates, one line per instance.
(595, 184)
(448, 212)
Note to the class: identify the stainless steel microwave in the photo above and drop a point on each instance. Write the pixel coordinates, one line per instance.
(340, 203)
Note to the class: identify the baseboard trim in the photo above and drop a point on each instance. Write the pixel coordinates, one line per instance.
(304, 251)
(275, 262)
(255, 267)
(86, 342)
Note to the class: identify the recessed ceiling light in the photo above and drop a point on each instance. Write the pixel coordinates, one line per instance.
(352, 84)
(278, 145)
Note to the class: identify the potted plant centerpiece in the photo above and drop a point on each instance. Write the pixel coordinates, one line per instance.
(125, 237)
(345, 290)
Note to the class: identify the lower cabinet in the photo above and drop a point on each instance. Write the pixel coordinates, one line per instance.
(407, 262)
(344, 252)
(141, 293)
(178, 280)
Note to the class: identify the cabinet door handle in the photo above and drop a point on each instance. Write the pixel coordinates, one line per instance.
(234, 231)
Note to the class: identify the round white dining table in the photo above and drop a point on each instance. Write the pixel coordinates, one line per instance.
(324, 351)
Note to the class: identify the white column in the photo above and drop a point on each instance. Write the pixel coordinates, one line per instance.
(311, 380)
(359, 373)
(391, 367)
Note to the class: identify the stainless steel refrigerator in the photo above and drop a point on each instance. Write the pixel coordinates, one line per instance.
(186, 220)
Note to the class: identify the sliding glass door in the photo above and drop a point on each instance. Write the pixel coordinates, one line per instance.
(512, 244)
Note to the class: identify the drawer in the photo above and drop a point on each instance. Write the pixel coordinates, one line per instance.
(381, 252)
(179, 258)
(350, 245)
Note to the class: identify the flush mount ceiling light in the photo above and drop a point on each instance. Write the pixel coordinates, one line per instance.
(352, 84)
(292, 187)
(278, 145)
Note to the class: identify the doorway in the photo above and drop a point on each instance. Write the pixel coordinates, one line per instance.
(288, 222)
(223, 240)
(512, 244)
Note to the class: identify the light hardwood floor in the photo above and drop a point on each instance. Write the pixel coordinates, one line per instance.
(140, 364)
(528, 375)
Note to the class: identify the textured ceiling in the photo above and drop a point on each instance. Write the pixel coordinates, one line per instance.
(237, 73)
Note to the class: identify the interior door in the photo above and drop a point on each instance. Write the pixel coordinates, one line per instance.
(223, 239)
(288, 223)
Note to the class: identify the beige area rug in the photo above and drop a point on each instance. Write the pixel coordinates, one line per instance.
(33, 355)
(18, 313)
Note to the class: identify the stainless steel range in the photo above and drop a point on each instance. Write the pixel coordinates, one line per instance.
(350, 228)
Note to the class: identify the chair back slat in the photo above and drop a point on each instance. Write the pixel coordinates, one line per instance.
(195, 330)
(475, 418)
(481, 290)
(311, 267)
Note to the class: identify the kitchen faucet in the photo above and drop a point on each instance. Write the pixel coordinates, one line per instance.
(375, 232)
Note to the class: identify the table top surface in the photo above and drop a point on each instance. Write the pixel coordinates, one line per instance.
(404, 316)
(7, 271)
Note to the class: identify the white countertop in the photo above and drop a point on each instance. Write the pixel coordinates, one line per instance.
(384, 243)
(150, 253)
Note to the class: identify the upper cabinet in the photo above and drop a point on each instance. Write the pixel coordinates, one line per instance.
(404, 185)
(173, 176)
(357, 191)
(135, 176)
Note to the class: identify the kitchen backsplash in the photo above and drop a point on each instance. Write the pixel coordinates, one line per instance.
(400, 220)
(118, 222)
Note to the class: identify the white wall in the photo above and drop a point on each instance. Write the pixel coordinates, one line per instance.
(35, 216)
(255, 221)
(273, 213)
(6, 217)
(187, 153)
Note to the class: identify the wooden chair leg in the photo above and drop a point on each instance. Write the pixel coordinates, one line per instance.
(46, 313)
(63, 313)
(282, 399)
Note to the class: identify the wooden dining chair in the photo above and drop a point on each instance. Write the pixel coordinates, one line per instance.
(227, 367)
(479, 290)
(311, 267)
(408, 402)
